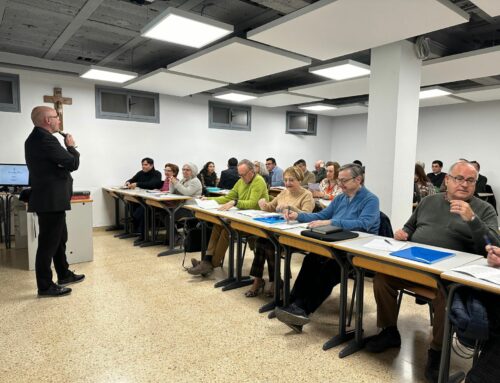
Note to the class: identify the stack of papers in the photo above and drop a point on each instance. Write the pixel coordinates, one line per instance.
(207, 203)
(385, 244)
(256, 213)
(486, 273)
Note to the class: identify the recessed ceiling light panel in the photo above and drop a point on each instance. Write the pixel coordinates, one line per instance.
(107, 74)
(434, 91)
(235, 96)
(317, 107)
(185, 28)
(341, 70)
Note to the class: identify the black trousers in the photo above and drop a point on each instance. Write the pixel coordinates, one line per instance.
(52, 238)
(315, 282)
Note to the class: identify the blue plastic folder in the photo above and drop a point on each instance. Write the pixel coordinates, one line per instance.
(271, 219)
(422, 254)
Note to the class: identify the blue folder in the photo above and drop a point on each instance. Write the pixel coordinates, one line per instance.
(271, 219)
(213, 189)
(422, 254)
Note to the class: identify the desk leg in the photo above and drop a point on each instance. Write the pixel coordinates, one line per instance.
(277, 278)
(7, 221)
(444, 367)
(128, 215)
(171, 232)
(230, 278)
(153, 241)
(343, 335)
(240, 281)
(357, 344)
(117, 225)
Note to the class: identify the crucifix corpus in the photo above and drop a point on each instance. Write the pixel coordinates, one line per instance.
(58, 101)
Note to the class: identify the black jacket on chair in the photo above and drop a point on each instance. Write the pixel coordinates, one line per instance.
(49, 166)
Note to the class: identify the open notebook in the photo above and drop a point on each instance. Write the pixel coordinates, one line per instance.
(486, 273)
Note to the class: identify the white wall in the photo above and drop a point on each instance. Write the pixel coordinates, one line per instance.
(111, 150)
(445, 133)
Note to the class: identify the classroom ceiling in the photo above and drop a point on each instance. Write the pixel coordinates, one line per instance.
(66, 35)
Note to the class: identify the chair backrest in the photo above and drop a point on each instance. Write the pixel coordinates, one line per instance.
(385, 229)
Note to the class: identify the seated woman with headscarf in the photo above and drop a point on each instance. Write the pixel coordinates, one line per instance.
(190, 185)
(295, 198)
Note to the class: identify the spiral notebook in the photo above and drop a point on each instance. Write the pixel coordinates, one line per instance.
(422, 254)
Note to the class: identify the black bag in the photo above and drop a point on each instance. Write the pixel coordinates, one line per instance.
(332, 237)
(470, 318)
(192, 235)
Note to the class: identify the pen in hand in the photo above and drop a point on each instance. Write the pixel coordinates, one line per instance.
(288, 215)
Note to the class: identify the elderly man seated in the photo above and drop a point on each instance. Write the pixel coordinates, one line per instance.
(455, 220)
(245, 194)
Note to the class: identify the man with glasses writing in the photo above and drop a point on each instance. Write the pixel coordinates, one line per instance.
(355, 209)
(50, 165)
(455, 220)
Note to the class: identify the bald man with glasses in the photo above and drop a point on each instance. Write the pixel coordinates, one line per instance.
(455, 220)
(50, 165)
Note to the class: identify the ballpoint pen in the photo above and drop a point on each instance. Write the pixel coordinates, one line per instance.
(288, 215)
(387, 241)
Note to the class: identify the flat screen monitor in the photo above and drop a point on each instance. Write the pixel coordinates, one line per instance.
(14, 175)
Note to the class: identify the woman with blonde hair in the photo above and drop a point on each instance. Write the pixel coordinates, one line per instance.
(295, 198)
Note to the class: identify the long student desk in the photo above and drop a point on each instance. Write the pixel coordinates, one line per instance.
(459, 280)
(170, 203)
(288, 239)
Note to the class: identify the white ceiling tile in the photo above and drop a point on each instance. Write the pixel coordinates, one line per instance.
(335, 89)
(237, 60)
(174, 84)
(281, 98)
(489, 93)
(333, 28)
(463, 66)
(444, 100)
(491, 7)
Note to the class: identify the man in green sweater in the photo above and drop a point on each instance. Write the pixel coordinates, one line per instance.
(454, 220)
(245, 194)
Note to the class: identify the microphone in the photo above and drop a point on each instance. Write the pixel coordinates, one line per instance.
(62, 134)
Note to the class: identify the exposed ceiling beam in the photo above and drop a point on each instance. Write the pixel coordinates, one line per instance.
(87, 10)
(3, 3)
(39, 63)
(283, 6)
(188, 5)
(97, 25)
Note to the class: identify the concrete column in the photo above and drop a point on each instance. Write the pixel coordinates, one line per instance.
(392, 128)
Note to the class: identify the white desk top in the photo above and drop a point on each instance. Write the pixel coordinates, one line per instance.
(146, 194)
(357, 247)
(468, 280)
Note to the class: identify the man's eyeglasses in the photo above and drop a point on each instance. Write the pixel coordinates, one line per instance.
(343, 182)
(461, 180)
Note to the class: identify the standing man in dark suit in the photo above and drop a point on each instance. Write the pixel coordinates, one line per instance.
(51, 184)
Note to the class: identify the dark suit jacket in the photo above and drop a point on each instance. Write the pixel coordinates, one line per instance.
(229, 177)
(49, 165)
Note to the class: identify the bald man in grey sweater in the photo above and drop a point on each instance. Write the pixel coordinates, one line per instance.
(454, 220)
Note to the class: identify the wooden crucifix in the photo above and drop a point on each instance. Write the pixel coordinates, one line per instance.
(58, 101)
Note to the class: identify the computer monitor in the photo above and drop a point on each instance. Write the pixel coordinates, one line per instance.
(14, 175)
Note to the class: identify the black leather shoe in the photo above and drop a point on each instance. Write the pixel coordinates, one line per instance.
(388, 338)
(54, 291)
(295, 327)
(292, 314)
(432, 366)
(71, 277)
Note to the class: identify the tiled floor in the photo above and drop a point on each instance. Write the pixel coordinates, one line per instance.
(140, 318)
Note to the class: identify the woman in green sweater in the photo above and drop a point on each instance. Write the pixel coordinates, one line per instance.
(295, 198)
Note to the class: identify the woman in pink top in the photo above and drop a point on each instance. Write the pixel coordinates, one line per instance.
(171, 170)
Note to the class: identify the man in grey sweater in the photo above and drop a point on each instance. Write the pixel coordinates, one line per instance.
(455, 220)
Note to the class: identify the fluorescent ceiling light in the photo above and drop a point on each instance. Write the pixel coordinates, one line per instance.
(185, 28)
(317, 107)
(435, 91)
(341, 70)
(107, 74)
(235, 96)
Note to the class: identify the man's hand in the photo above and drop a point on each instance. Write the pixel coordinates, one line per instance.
(493, 255)
(401, 235)
(319, 223)
(69, 141)
(226, 206)
(290, 215)
(132, 186)
(461, 208)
